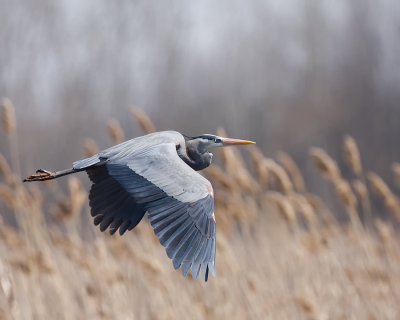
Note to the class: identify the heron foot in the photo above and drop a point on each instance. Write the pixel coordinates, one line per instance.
(40, 175)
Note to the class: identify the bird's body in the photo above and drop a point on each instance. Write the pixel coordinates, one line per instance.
(156, 173)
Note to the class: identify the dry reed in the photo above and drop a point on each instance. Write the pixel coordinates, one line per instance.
(383, 191)
(305, 209)
(396, 171)
(9, 126)
(5, 170)
(345, 194)
(259, 168)
(71, 270)
(220, 178)
(90, 147)
(8, 116)
(7, 195)
(143, 120)
(349, 200)
(325, 164)
(362, 192)
(235, 167)
(279, 175)
(115, 131)
(69, 207)
(292, 170)
(384, 232)
(304, 305)
(230, 157)
(330, 170)
(284, 207)
(351, 154)
(11, 237)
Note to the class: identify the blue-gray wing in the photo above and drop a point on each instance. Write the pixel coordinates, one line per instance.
(178, 200)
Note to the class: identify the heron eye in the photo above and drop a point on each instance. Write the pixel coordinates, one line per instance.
(217, 140)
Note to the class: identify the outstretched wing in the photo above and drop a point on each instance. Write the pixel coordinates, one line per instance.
(178, 200)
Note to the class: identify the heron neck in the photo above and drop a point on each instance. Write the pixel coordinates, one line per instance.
(193, 158)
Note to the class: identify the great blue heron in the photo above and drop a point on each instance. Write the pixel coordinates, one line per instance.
(156, 173)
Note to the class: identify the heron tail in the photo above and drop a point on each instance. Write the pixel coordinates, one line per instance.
(43, 175)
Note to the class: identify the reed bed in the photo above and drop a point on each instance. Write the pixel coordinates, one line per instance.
(281, 251)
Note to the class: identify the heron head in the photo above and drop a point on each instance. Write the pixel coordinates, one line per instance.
(209, 141)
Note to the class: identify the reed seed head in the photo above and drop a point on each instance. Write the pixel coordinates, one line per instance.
(379, 186)
(383, 191)
(144, 121)
(280, 176)
(220, 178)
(7, 196)
(345, 193)
(258, 165)
(69, 207)
(293, 170)
(115, 131)
(351, 154)
(229, 156)
(360, 189)
(90, 147)
(8, 116)
(325, 164)
(284, 206)
(5, 170)
(305, 209)
(396, 171)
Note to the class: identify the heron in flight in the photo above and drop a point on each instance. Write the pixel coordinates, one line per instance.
(156, 173)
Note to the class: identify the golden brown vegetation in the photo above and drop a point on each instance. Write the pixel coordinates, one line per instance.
(8, 116)
(143, 120)
(115, 131)
(90, 147)
(281, 253)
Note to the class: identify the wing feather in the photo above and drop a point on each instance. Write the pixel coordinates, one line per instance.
(146, 174)
(176, 237)
(169, 230)
(183, 247)
(124, 226)
(110, 203)
(185, 267)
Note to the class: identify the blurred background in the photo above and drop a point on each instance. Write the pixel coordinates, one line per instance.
(287, 75)
(290, 75)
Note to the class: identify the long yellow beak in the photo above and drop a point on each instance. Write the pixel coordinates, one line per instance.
(233, 142)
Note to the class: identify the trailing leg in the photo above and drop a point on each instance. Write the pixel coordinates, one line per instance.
(43, 175)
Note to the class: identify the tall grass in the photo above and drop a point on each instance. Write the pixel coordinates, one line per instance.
(281, 252)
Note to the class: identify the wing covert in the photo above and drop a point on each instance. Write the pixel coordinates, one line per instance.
(178, 200)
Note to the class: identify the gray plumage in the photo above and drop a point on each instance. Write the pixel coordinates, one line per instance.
(156, 173)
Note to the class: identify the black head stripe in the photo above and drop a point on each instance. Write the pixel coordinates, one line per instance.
(203, 136)
(208, 136)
